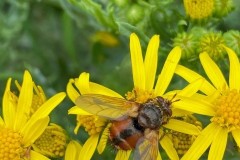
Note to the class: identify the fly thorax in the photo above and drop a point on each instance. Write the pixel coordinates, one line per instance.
(150, 116)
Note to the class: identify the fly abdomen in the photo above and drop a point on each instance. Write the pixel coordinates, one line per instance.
(124, 134)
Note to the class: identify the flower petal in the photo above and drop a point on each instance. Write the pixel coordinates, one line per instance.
(123, 155)
(33, 131)
(99, 89)
(191, 76)
(150, 62)
(202, 142)
(72, 151)
(71, 91)
(191, 105)
(212, 70)
(78, 110)
(8, 108)
(89, 147)
(44, 110)
(167, 71)
(218, 146)
(192, 88)
(24, 101)
(236, 136)
(167, 145)
(182, 127)
(137, 62)
(234, 73)
(37, 156)
(1, 121)
(103, 140)
(83, 83)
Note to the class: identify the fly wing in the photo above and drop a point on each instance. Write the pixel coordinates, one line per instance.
(147, 147)
(104, 106)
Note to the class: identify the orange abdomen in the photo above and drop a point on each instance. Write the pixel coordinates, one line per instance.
(125, 134)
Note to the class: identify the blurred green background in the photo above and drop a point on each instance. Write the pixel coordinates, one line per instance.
(58, 39)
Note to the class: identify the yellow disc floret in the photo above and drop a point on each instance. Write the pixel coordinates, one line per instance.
(139, 95)
(228, 110)
(199, 9)
(92, 124)
(11, 146)
(52, 142)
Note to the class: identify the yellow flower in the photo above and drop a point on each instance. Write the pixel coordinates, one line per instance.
(18, 128)
(199, 9)
(221, 103)
(144, 72)
(52, 143)
(73, 150)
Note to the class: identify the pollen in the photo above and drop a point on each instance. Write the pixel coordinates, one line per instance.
(11, 146)
(52, 142)
(228, 110)
(92, 124)
(181, 141)
(140, 96)
(199, 9)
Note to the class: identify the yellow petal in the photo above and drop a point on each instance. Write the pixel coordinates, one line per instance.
(1, 121)
(77, 110)
(212, 70)
(137, 62)
(103, 140)
(167, 71)
(24, 101)
(71, 91)
(234, 73)
(236, 136)
(89, 147)
(179, 112)
(192, 88)
(8, 108)
(72, 151)
(182, 127)
(167, 145)
(202, 142)
(37, 156)
(150, 62)
(123, 155)
(191, 105)
(191, 76)
(83, 83)
(218, 146)
(33, 131)
(44, 110)
(99, 89)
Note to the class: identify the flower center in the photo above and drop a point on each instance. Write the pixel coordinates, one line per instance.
(228, 110)
(52, 142)
(11, 146)
(92, 124)
(140, 96)
(199, 9)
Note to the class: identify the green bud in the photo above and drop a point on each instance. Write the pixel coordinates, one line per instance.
(232, 39)
(135, 13)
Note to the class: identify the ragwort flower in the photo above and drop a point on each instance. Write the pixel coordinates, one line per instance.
(18, 127)
(144, 72)
(221, 103)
